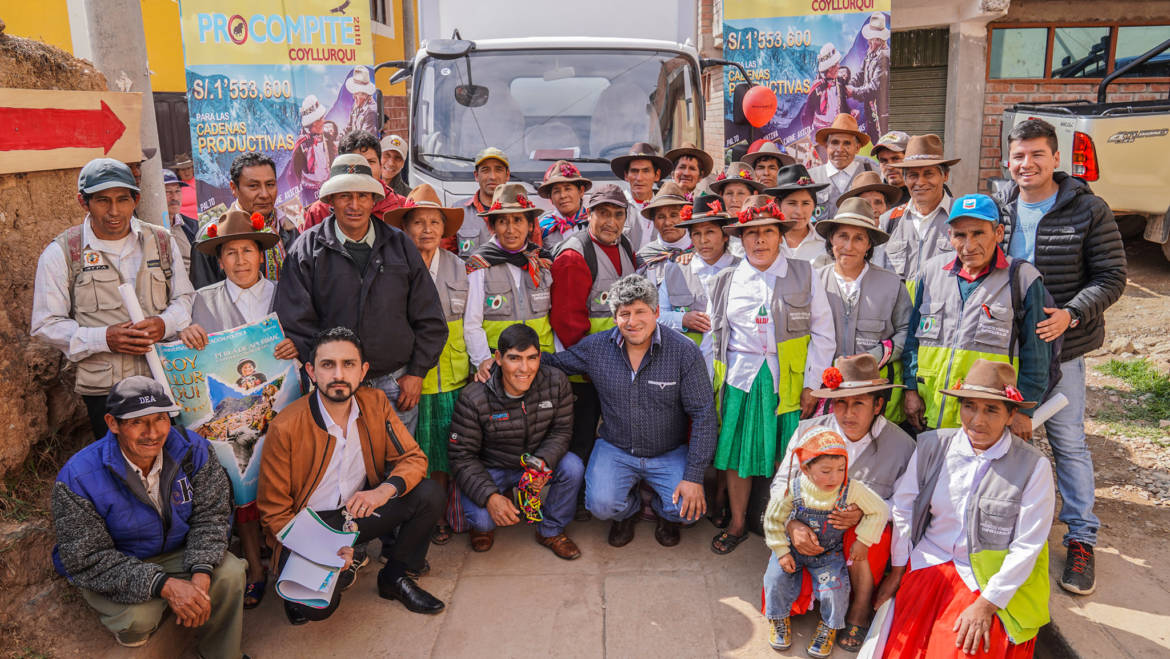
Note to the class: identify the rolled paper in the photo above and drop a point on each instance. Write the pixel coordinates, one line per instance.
(1048, 409)
(130, 301)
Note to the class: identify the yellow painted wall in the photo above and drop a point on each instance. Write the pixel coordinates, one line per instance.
(164, 46)
(46, 21)
(386, 48)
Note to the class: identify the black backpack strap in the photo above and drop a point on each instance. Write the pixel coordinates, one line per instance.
(1018, 310)
(629, 250)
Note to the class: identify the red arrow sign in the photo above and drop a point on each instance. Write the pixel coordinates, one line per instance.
(42, 129)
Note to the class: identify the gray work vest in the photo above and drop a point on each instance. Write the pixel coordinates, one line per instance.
(869, 322)
(96, 302)
(882, 463)
(992, 513)
(606, 275)
(451, 281)
(213, 309)
(682, 286)
(504, 302)
(791, 307)
(905, 252)
(473, 232)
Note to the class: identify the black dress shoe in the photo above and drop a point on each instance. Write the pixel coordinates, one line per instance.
(666, 533)
(621, 532)
(405, 590)
(294, 614)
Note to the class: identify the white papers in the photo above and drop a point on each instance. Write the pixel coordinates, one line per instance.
(1048, 409)
(134, 310)
(879, 631)
(311, 571)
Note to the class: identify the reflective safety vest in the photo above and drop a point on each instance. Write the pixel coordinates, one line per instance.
(473, 232)
(869, 323)
(992, 514)
(906, 252)
(683, 288)
(96, 302)
(505, 305)
(791, 309)
(952, 333)
(454, 365)
(600, 315)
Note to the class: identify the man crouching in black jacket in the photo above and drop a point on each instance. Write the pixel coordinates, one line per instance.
(520, 419)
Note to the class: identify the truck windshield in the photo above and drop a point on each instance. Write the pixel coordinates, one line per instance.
(588, 106)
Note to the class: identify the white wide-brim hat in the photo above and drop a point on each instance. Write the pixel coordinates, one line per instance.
(311, 111)
(828, 58)
(351, 173)
(360, 83)
(876, 27)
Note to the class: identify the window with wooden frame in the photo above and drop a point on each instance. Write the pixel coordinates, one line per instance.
(1074, 52)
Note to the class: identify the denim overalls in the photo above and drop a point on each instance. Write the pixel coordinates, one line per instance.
(830, 577)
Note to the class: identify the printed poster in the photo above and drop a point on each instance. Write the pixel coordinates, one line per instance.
(229, 391)
(820, 57)
(286, 78)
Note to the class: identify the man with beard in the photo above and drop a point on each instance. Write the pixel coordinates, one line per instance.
(370, 480)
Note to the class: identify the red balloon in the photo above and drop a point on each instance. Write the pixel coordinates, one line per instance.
(759, 105)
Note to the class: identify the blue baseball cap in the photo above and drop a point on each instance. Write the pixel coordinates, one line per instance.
(105, 173)
(170, 177)
(978, 206)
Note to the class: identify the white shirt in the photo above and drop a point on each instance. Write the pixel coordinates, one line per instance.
(753, 338)
(346, 473)
(672, 319)
(706, 272)
(367, 239)
(790, 467)
(808, 249)
(51, 319)
(840, 178)
(473, 333)
(634, 214)
(850, 289)
(946, 537)
(254, 302)
(150, 480)
(921, 221)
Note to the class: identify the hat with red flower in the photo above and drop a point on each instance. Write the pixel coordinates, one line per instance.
(424, 196)
(737, 172)
(511, 198)
(758, 210)
(988, 380)
(562, 171)
(236, 224)
(793, 178)
(707, 208)
(853, 376)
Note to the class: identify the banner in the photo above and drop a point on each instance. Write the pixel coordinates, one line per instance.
(820, 57)
(286, 78)
(229, 391)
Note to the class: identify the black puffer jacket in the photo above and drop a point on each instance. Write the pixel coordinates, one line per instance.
(1080, 253)
(489, 429)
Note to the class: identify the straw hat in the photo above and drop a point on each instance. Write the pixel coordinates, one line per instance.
(758, 210)
(828, 57)
(511, 198)
(842, 123)
(876, 28)
(351, 173)
(690, 149)
(871, 182)
(988, 380)
(854, 212)
(737, 172)
(236, 225)
(561, 171)
(670, 194)
(853, 376)
(769, 150)
(311, 111)
(424, 196)
(359, 82)
(924, 151)
(640, 151)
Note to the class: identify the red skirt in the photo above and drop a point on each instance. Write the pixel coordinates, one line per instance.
(879, 555)
(925, 609)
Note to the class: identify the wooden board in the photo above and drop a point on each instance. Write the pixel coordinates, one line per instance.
(79, 112)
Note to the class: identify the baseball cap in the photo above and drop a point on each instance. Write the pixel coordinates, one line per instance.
(105, 173)
(492, 152)
(606, 194)
(138, 396)
(978, 206)
(169, 178)
(895, 140)
(394, 143)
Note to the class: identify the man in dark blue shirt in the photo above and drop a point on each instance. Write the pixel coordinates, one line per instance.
(654, 389)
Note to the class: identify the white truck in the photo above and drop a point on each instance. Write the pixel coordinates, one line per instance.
(1118, 148)
(545, 81)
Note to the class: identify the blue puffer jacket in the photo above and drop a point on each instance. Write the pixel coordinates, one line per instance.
(106, 524)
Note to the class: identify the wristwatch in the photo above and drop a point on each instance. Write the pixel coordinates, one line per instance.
(1074, 316)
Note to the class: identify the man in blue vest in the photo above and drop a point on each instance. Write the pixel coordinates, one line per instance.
(142, 518)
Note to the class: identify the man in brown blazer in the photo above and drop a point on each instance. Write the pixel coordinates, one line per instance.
(344, 453)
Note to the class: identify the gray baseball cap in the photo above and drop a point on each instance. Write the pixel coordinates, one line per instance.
(105, 173)
(895, 140)
(138, 396)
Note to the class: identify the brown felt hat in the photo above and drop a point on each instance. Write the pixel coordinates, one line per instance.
(511, 198)
(670, 194)
(842, 123)
(640, 151)
(424, 196)
(871, 182)
(924, 151)
(854, 212)
(706, 162)
(853, 376)
(737, 172)
(561, 171)
(988, 380)
(769, 150)
(236, 225)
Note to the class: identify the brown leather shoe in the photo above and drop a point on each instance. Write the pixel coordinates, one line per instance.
(482, 542)
(666, 533)
(560, 545)
(621, 532)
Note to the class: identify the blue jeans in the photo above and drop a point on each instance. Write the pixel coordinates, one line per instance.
(558, 505)
(830, 580)
(389, 384)
(1074, 462)
(612, 474)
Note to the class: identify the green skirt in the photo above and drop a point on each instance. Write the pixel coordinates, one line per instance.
(752, 436)
(434, 427)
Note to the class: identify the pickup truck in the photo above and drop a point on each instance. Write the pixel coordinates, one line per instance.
(1122, 150)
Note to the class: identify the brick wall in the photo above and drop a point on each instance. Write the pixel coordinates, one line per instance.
(398, 116)
(1001, 94)
(712, 81)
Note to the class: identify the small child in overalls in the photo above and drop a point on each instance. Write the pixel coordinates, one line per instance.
(821, 487)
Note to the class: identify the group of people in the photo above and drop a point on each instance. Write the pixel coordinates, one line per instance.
(854, 352)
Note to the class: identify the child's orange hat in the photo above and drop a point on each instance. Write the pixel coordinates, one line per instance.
(821, 441)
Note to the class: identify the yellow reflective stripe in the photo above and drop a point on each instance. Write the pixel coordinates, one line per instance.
(719, 376)
(493, 329)
(1027, 611)
(933, 365)
(454, 366)
(793, 355)
(893, 411)
(595, 325)
(910, 288)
